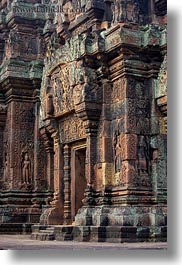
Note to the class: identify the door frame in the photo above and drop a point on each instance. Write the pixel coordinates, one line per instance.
(76, 147)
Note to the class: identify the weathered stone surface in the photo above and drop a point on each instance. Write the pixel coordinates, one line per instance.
(83, 118)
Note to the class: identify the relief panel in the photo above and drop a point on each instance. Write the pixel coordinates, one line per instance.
(71, 129)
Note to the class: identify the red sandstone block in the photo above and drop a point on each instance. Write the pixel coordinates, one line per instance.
(128, 146)
(128, 172)
(130, 124)
(107, 150)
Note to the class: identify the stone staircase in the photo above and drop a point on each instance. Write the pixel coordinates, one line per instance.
(43, 233)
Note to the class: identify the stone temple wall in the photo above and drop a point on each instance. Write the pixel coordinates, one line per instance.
(83, 118)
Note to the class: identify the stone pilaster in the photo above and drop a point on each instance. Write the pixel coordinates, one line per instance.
(67, 185)
(49, 148)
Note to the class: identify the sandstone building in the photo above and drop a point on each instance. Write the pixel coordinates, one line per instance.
(83, 119)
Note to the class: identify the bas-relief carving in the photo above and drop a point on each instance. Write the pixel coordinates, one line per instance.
(72, 129)
(119, 90)
(67, 82)
(58, 93)
(126, 11)
(161, 86)
(40, 179)
(67, 86)
(70, 52)
(143, 156)
(18, 44)
(23, 132)
(117, 152)
(6, 150)
(26, 169)
(4, 157)
(5, 166)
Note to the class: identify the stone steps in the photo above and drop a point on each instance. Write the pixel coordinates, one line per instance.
(43, 233)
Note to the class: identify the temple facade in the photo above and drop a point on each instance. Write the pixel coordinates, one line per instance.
(83, 119)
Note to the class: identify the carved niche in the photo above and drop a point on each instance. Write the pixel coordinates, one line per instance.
(26, 167)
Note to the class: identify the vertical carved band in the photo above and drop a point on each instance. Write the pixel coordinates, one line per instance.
(67, 185)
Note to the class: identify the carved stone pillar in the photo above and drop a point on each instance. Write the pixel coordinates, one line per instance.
(67, 185)
(58, 164)
(36, 147)
(48, 142)
(3, 160)
(91, 131)
(50, 167)
(54, 215)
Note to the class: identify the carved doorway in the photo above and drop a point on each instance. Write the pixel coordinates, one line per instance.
(78, 178)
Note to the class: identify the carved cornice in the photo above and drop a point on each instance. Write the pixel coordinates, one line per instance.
(145, 40)
(20, 89)
(16, 69)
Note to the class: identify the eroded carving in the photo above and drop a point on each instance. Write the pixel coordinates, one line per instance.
(143, 157)
(26, 169)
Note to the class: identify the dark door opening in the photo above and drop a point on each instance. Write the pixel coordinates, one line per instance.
(78, 180)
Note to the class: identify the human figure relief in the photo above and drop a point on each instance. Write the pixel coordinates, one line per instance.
(117, 152)
(117, 8)
(143, 161)
(5, 173)
(26, 169)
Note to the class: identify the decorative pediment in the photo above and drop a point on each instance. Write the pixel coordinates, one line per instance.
(66, 87)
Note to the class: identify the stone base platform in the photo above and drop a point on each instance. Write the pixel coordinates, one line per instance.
(113, 234)
(16, 228)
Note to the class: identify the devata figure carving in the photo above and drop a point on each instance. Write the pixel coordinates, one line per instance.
(143, 161)
(26, 169)
(117, 152)
(5, 174)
